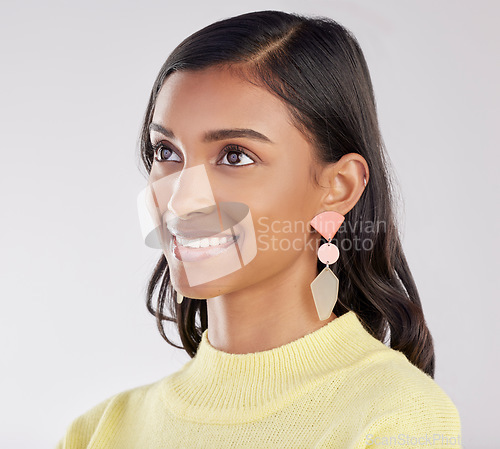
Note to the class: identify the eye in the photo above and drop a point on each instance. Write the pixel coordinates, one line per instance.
(232, 154)
(163, 153)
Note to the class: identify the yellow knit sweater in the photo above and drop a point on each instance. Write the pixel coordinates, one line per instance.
(337, 387)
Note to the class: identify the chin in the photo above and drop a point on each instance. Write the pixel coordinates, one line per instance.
(205, 291)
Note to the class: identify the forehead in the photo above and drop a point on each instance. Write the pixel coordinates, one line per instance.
(208, 96)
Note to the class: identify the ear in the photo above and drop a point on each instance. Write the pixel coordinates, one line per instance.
(343, 183)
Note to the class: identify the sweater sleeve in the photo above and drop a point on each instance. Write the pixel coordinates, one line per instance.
(425, 421)
(400, 407)
(79, 433)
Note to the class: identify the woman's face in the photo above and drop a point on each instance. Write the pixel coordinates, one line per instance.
(254, 183)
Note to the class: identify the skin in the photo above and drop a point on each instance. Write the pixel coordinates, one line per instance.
(268, 302)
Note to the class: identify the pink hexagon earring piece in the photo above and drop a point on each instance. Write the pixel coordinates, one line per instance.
(325, 287)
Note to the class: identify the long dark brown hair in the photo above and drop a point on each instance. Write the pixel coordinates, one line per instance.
(316, 67)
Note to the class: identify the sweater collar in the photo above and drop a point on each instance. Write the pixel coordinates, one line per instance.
(219, 387)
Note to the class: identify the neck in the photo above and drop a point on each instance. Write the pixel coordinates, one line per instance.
(266, 315)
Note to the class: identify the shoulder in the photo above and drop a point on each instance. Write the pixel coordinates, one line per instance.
(394, 375)
(107, 414)
(406, 403)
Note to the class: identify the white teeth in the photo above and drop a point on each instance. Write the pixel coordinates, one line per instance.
(214, 241)
(204, 242)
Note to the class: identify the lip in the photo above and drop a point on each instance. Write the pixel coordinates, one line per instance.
(186, 254)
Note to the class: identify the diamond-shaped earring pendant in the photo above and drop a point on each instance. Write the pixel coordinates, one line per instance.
(325, 290)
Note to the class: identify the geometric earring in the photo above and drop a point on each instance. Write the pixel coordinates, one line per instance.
(325, 287)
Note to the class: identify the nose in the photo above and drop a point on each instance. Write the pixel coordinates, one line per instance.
(191, 193)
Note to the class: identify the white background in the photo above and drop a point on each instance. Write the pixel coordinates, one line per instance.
(75, 79)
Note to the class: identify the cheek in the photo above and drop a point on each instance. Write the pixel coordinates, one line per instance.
(288, 193)
(283, 210)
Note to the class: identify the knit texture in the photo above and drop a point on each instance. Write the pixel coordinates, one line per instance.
(337, 387)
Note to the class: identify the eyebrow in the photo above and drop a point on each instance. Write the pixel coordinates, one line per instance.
(217, 134)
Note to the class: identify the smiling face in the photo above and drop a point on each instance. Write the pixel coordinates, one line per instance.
(229, 162)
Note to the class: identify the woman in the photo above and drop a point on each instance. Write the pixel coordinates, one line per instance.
(261, 142)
